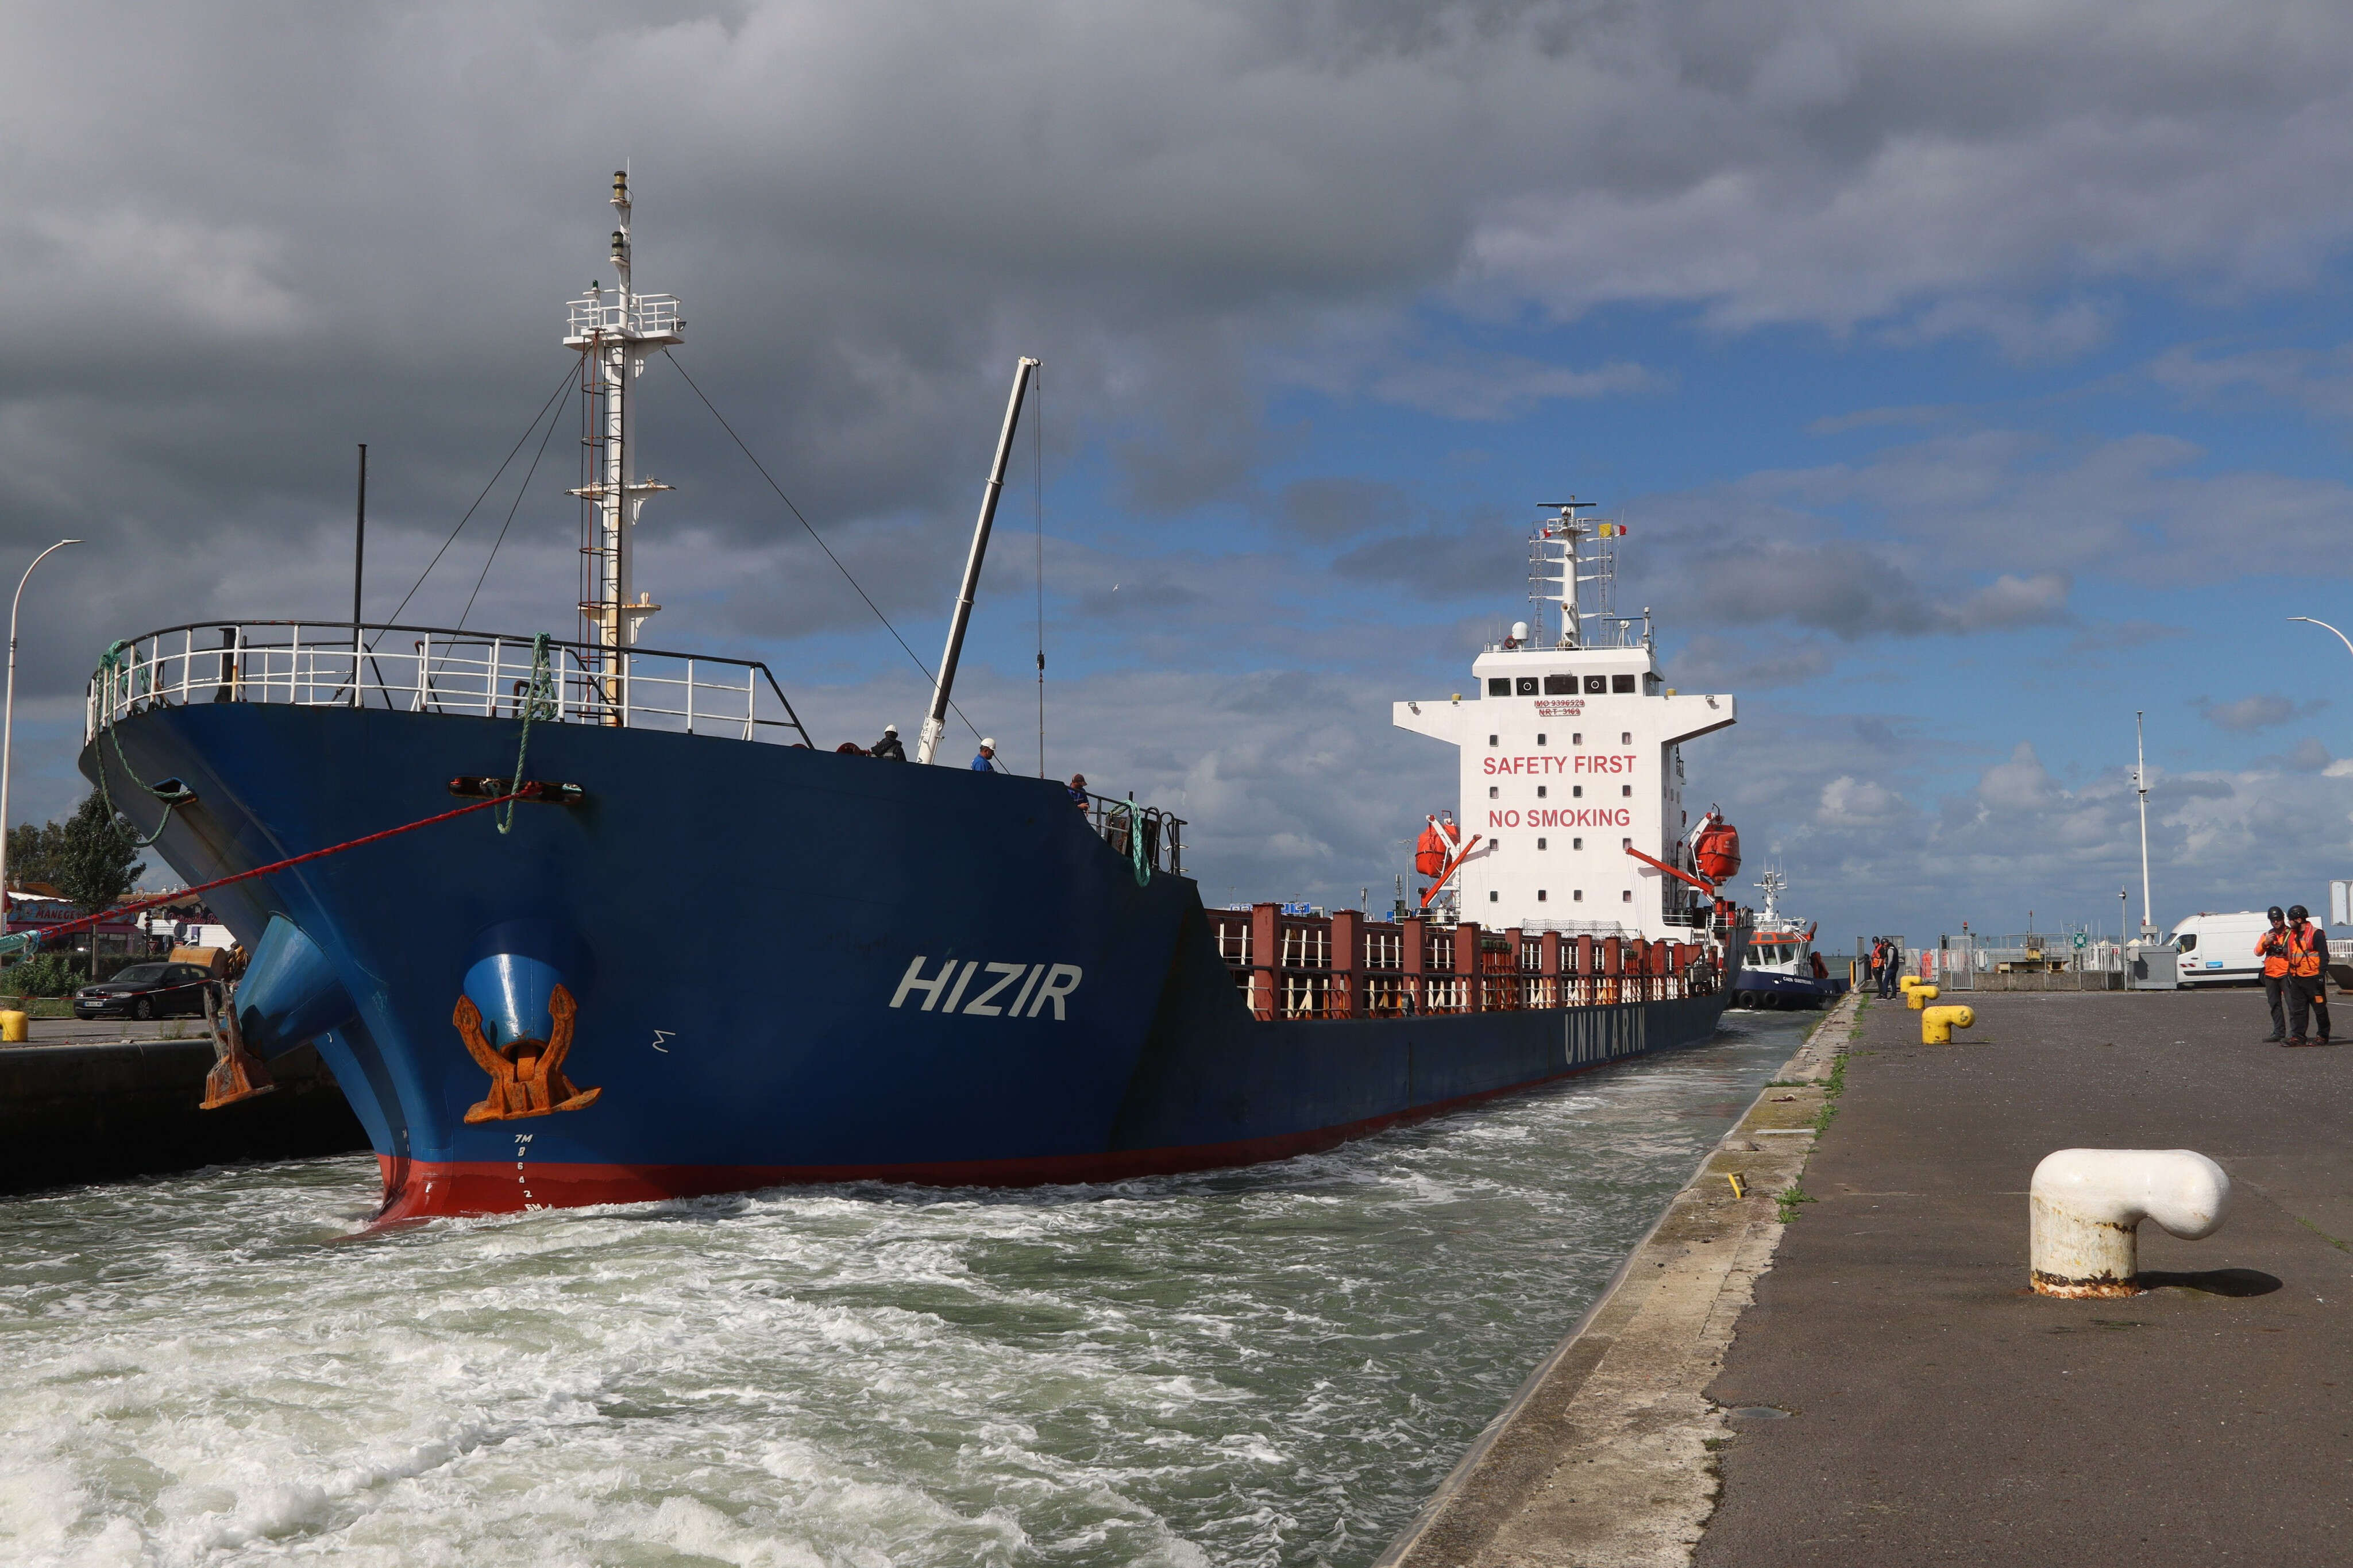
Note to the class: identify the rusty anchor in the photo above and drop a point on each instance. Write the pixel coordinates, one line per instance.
(526, 1076)
(237, 1073)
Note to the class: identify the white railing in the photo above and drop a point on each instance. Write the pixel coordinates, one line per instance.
(645, 316)
(435, 669)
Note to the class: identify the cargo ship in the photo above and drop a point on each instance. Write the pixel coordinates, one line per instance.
(991, 982)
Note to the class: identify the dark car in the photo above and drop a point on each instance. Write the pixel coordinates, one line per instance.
(146, 991)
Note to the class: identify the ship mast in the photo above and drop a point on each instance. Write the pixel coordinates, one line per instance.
(613, 331)
(1557, 571)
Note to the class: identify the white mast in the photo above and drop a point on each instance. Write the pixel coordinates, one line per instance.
(2140, 785)
(614, 332)
(1556, 572)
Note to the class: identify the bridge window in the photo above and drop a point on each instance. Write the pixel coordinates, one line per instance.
(1493, 791)
(1625, 737)
(1626, 896)
(1577, 844)
(1576, 897)
(1540, 738)
(1540, 792)
(1495, 897)
(1540, 895)
(1577, 792)
(1596, 684)
(1540, 843)
(1499, 686)
(1491, 740)
(1560, 686)
(1625, 789)
(1621, 683)
(1527, 686)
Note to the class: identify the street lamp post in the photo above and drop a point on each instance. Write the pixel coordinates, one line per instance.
(8, 722)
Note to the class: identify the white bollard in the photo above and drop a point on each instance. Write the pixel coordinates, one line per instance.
(2086, 1206)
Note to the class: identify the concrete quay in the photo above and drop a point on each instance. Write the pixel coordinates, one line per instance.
(1874, 1383)
(106, 1111)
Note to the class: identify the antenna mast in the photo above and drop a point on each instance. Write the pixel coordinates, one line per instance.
(2140, 785)
(1557, 572)
(613, 331)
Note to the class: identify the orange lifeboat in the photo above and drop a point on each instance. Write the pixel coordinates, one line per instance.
(1718, 850)
(1429, 853)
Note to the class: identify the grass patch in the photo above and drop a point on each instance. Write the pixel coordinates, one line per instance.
(1789, 1198)
(2338, 1243)
(1832, 1087)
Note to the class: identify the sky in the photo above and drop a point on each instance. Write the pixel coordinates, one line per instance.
(1971, 377)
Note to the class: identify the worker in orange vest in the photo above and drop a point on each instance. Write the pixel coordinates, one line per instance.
(2271, 948)
(2308, 963)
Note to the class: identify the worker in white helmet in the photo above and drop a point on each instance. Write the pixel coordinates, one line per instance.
(987, 762)
(888, 748)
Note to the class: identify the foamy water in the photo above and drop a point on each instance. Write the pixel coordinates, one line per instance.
(1259, 1367)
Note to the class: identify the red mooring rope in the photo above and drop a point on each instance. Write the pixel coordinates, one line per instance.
(46, 932)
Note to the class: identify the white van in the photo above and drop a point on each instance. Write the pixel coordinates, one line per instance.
(2219, 950)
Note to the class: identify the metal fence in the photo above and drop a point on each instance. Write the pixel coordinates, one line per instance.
(2022, 965)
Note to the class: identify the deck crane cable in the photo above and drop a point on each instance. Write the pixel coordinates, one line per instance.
(561, 386)
(812, 533)
(520, 491)
(1038, 503)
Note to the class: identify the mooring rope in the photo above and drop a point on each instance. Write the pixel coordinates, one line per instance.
(22, 942)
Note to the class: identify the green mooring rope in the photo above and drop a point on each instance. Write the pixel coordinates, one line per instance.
(1135, 847)
(540, 700)
(108, 665)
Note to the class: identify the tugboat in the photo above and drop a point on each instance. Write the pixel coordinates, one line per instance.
(1781, 968)
(994, 987)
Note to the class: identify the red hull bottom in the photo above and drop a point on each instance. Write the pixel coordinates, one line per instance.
(427, 1190)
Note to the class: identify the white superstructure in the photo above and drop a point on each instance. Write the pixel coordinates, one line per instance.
(1571, 758)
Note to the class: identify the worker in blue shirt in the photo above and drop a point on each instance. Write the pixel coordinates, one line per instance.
(987, 762)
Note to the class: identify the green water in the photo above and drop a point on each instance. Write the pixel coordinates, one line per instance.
(1272, 1366)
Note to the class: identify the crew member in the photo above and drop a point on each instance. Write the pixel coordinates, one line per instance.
(1890, 969)
(888, 748)
(1078, 788)
(986, 763)
(2308, 963)
(2271, 948)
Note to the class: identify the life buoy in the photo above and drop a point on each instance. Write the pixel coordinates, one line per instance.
(1429, 853)
(1717, 850)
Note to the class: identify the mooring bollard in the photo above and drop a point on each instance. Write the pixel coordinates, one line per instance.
(2085, 1206)
(13, 1026)
(1919, 996)
(1937, 1023)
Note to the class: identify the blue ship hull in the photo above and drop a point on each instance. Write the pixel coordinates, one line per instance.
(858, 1033)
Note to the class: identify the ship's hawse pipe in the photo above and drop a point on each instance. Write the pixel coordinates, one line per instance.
(935, 722)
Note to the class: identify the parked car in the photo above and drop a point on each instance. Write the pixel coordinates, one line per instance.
(146, 991)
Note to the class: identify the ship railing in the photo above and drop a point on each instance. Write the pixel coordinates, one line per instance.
(1163, 833)
(1348, 966)
(439, 669)
(645, 315)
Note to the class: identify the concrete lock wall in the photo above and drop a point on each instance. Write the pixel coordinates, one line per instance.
(94, 1114)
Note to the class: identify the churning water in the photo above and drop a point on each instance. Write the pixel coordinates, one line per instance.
(1271, 1366)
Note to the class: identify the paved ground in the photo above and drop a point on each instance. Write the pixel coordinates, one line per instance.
(1940, 1412)
(104, 1031)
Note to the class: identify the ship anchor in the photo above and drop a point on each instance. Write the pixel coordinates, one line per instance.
(526, 1076)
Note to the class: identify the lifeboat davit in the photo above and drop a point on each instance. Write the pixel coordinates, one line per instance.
(1716, 850)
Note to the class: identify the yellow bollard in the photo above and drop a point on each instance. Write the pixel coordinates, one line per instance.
(1937, 1023)
(14, 1028)
(1919, 996)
